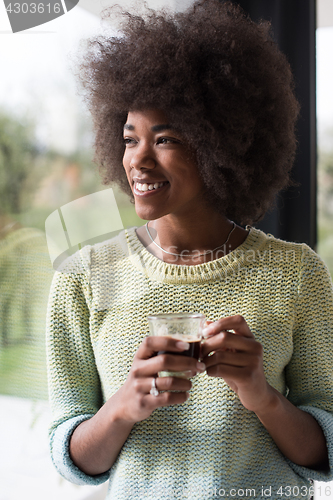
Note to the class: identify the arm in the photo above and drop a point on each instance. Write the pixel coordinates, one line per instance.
(74, 385)
(87, 437)
(309, 372)
(96, 443)
(238, 359)
(296, 433)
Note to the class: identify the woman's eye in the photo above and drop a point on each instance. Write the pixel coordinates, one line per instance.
(167, 140)
(128, 141)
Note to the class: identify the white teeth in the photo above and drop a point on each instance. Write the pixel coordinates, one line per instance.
(148, 187)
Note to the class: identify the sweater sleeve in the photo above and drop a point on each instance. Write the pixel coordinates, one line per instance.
(309, 375)
(74, 385)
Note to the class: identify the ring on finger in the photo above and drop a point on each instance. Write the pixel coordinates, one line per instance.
(154, 391)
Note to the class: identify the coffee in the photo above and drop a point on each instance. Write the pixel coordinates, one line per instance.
(193, 351)
(186, 327)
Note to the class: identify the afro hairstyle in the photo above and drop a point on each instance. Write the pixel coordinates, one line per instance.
(223, 84)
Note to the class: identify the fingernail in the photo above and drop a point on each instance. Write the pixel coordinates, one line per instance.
(182, 345)
(205, 332)
(201, 366)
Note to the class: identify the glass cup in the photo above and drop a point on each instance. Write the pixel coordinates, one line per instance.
(183, 326)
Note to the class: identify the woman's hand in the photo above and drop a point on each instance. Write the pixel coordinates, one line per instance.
(136, 401)
(238, 359)
(96, 443)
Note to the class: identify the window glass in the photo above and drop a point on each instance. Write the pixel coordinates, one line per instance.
(325, 143)
(46, 162)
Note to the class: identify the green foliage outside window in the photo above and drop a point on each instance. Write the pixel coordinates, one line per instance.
(325, 202)
(33, 183)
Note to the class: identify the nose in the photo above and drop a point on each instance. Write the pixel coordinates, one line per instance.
(142, 157)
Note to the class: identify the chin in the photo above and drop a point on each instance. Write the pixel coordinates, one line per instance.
(148, 213)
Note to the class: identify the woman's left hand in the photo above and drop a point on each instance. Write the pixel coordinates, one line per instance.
(238, 359)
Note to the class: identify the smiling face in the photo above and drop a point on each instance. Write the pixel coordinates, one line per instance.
(160, 169)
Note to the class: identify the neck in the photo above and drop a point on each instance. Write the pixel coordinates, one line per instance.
(195, 240)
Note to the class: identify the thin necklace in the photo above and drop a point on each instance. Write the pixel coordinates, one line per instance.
(200, 254)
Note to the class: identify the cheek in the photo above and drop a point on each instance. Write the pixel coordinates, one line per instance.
(125, 159)
(126, 162)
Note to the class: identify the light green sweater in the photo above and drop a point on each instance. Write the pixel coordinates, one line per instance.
(210, 446)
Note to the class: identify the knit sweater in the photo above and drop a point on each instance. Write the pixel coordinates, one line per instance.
(210, 446)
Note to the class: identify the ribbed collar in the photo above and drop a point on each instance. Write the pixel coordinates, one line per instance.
(158, 270)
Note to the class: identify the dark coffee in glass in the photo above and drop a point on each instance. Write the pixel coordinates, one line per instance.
(183, 326)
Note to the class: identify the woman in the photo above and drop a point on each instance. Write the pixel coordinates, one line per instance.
(205, 103)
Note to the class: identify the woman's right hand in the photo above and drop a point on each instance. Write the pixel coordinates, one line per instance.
(135, 401)
(96, 443)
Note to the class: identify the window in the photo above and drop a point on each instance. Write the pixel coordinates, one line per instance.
(45, 163)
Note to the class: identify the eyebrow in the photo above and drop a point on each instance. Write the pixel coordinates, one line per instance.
(154, 128)
(160, 128)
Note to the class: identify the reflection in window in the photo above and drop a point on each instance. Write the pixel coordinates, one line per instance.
(325, 144)
(45, 163)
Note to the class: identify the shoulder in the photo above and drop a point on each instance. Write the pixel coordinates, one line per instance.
(276, 249)
(266, 253)
(296, 259)
(77, 270)
(110, 251)
(80, 262)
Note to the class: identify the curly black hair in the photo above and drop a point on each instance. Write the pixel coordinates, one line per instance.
(222, 82)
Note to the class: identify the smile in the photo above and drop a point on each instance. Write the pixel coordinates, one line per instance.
(145, 189)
